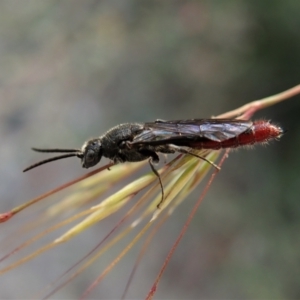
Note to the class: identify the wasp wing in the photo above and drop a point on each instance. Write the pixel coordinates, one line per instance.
(195, 129)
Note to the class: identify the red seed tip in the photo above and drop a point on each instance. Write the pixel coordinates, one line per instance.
(5, 216)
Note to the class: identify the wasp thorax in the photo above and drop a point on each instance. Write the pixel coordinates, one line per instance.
(92, 153)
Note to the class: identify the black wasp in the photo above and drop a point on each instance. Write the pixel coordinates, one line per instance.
(133, 142)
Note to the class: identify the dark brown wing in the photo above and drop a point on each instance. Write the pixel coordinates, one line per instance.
(195, 129)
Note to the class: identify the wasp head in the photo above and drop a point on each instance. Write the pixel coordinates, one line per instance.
(91, 153)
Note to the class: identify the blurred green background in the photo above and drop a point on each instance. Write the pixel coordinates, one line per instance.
(70, 70)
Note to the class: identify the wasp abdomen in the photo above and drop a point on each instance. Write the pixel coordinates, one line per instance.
(259, 132)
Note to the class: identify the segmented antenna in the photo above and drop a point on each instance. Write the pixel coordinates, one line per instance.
(70, 153)
(56, 150)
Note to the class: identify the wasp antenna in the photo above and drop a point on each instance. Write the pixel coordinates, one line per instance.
(78, 154)
(56, 150)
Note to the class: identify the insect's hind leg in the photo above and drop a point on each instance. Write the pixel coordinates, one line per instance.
(185, 151)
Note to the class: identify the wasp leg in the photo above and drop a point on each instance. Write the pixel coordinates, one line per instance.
(160, 182)
(155, 159)
(185, 151)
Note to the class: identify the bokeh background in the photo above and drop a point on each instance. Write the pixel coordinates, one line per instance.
(70, 70)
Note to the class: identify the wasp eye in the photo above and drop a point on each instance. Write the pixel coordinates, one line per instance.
(90, 156)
